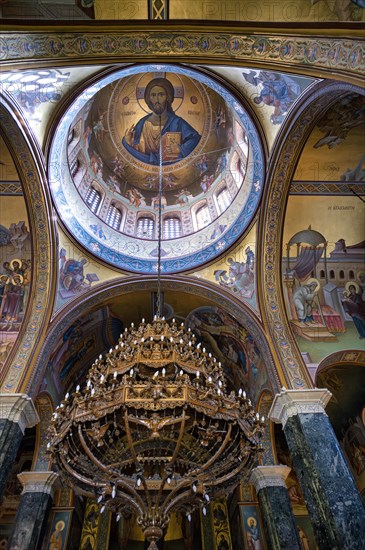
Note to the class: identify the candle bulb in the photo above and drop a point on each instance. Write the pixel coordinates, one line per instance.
(163, 371)
(197, 374)
(114, 491)
(115, 374)
(67, 396)
(262, 419)
(118, 517)
(78, 388)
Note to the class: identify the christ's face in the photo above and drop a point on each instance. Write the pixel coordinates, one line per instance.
(158, 100)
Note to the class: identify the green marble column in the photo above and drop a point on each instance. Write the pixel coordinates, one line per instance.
(276, 511)
(33, 510)
(17, 412)
(335, 507)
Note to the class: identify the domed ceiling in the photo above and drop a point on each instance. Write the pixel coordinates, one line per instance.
(111, 140)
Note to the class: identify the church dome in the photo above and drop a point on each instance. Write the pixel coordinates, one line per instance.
(141, 124)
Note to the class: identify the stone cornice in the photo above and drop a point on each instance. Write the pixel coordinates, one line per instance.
(290, 403)
(18, 408)
(269, 476)
(39, 482)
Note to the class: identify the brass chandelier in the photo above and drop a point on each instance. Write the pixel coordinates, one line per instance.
(155, 430)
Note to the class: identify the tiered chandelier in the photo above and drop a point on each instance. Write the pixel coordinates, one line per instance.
(155, 430)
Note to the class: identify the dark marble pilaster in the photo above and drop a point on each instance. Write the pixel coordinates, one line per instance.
(336, 510)
(10, 438)
(17, 412)
(276, 511)
(33, 510)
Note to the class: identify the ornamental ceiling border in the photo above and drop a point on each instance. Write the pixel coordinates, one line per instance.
(105, 292)
(282, 164)
(289, 50)
(30, 164)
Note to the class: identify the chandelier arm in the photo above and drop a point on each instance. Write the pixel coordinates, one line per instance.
(80, 477)
(228, 476)
(174, 456)
(175, 501)
(183, 483)
(135, 458)
(217, 454)
(92, 457)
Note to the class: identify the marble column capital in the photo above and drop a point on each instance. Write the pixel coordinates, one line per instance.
(269, 476)
(39, 482)
(18, 408)
(290, 403)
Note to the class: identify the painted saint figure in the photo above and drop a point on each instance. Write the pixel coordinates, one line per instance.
(253, 535)
(179, 139)
(303, 300)
(354, 305)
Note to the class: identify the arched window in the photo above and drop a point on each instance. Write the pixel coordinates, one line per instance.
(203, 217)
(223, 200)
(321, 274)
(145, 228)
(71, 136)
(351, 274)
(332, 274)
(93, 199)
(171, 228)
(114, 217)
(74, 167)
(342, 274)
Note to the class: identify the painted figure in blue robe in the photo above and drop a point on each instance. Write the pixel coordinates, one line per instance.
(178, 138)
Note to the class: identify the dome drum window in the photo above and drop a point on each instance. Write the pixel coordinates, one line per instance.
(114, 217)
(145, 228)
(93, 199)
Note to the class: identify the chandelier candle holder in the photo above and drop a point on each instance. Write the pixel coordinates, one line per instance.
(155, 430)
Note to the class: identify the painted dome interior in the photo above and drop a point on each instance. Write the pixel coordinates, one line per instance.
(211, 168)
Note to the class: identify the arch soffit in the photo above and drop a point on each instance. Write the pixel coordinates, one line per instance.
(282, 163)
(30, 165)
(294, 52)
(341, 358)
(111, 289)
